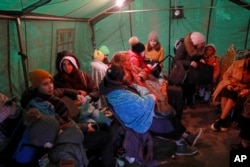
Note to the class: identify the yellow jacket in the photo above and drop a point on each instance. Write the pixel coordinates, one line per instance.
(154, 54)
(233, 76)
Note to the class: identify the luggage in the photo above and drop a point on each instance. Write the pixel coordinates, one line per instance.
(175, 99)
(202, 74)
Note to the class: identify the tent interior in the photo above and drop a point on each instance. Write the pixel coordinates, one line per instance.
(33, 31)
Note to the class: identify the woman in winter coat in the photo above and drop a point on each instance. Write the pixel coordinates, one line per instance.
(71, 76)
(135, 104)
(189, 53)
(234, 86)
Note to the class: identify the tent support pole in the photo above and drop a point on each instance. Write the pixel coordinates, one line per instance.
(22, 53)
(91, 26)
(130, 22)
(248, 29)
(209, 20)
(169, 39)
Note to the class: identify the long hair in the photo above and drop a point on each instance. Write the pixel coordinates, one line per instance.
(121, 59)
(157, 47)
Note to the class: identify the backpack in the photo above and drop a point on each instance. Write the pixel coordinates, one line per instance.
(177, 73)
(177, 43)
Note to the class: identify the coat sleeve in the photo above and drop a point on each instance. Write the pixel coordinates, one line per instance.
(181, 54)
(71, 93)
(217, 68)
(161, 57)
(92, 91)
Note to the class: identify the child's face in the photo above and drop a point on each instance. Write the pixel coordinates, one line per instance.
(67, 66)
(152, 43)
(209, 51)
(46, 87)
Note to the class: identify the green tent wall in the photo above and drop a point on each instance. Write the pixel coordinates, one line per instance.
(99, 23)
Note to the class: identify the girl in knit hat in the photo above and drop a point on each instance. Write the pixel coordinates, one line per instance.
(190, 53)
(43, 96)
(137, 58)
(154, 52)
(46, 98)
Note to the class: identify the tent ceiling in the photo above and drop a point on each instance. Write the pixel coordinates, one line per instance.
(83, 10)
(77, 9)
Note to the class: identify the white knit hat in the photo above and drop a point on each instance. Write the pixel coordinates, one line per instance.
(197, 38)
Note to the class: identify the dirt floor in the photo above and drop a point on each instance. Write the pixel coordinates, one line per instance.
(213, 147)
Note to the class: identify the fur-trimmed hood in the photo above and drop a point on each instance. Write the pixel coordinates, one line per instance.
(191, 48)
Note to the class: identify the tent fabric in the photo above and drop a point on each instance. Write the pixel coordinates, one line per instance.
(222, 22)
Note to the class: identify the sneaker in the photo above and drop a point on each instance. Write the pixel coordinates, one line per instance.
(219, 125)
(184, 149)
(192, 138)
(130, 159)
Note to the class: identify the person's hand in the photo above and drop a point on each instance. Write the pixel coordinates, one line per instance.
(202, 61)
(232, 88)
(193, 64)
(81, 98)
(90, 128)
(82, 92)
(150, 66)
(244, 92)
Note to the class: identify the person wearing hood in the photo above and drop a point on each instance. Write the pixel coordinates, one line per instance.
(189, 53)
(70, 76)
(211, 59)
